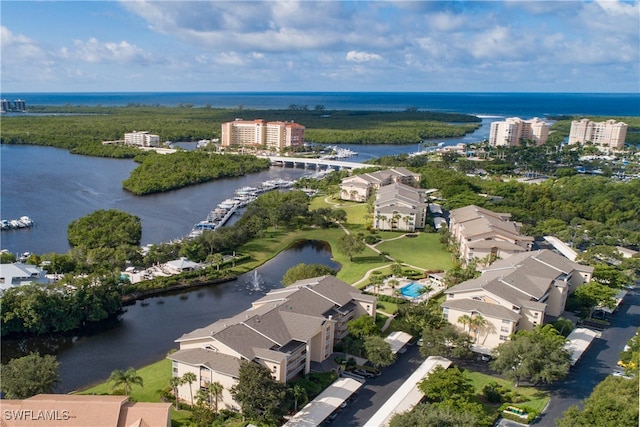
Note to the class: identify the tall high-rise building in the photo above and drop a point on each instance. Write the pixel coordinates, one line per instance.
(513, 130)
(609, 134)
(273, 135)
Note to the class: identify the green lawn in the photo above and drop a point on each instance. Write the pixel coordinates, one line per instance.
(155, 377)
(533, 398)
(423, 251)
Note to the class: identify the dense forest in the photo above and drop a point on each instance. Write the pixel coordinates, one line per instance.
(160, 172)
(82, 129)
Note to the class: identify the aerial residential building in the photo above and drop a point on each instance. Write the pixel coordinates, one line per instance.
(18, 274)
(288, 330)
(400, 207)
(141, 139)
(359, 188)
(514, 294)
(83, 410)
(605, 135)
(514, 130)
(18, 105)
(272, 135)
(480, 232)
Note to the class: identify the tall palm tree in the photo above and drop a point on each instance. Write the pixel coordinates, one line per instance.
(126, 378)
(189, 378)
(175, 383)
(465, 320)
(477, 322)
(215, 392)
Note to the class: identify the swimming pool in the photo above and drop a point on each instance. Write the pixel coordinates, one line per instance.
(412, 290)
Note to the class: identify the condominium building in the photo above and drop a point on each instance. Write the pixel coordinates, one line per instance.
(141, 139)
(514, 130)
(272, 135)
(400, 207)
(288, 330)
(606, 135)
(480, 233)
(18, 105)
(359, 188)
(518, 293)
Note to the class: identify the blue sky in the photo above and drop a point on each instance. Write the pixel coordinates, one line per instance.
(421, 46)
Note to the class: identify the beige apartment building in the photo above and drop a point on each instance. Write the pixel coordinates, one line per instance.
(608, 135)
(359, 188)
(512, 131)
(272, 135)
(514, 294)
(141, 139)
(287, 331)
(400, 207)
(480, 232)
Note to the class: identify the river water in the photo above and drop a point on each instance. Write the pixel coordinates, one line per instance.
(54, 187)
(147, 330)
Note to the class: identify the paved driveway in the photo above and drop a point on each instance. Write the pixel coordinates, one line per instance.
(597, 362)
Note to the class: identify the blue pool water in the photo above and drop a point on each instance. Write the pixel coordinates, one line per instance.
(412, 290)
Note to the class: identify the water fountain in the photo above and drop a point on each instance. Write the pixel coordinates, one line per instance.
(256, 282)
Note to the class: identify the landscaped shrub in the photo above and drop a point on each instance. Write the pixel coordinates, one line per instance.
(371, 239)
(491, 392)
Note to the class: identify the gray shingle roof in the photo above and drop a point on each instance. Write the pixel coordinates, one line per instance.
(215, 361)
(484, 308)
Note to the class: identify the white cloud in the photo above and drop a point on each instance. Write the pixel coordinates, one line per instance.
(355, 56)
(93, 50)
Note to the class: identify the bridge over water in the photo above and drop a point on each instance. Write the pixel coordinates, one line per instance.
(319, 164)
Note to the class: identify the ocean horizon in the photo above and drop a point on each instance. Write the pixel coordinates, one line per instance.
(500, 104)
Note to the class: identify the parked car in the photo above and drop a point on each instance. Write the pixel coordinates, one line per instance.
(365, 373)
(622, 374)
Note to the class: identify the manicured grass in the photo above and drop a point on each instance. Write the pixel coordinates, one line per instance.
(387, 307)
(535, 398)
(423, 251)
(155, 377)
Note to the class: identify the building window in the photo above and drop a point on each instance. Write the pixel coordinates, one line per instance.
(503, 337)
(504, 329)
(174, 366)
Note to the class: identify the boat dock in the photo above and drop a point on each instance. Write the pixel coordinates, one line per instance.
(242, 197)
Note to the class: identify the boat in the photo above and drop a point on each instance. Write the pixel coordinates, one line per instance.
(26, 221)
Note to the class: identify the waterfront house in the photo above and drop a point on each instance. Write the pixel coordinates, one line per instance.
(18, 274)
(289, 331)
(519, 293)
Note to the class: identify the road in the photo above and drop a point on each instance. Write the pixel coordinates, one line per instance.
(377, 390)
(596, 363)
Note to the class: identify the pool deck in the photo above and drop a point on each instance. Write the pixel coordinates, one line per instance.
(386, 289)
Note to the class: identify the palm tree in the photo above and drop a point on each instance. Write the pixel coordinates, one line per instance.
(175, 383)
(127, 378)
(465, 320)
(298, 393)
(406, 220)
(477, 322)
(215, 393)
(189, 378)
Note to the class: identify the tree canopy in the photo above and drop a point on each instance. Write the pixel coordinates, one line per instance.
(258, 393)
(612, 403)
(538, 355)
(378, 351)
(306, 271)
(105, 229)
(29, 375)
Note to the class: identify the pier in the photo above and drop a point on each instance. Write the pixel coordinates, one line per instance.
(308, 163)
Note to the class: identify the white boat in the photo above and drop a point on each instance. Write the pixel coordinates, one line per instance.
(26, 221)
